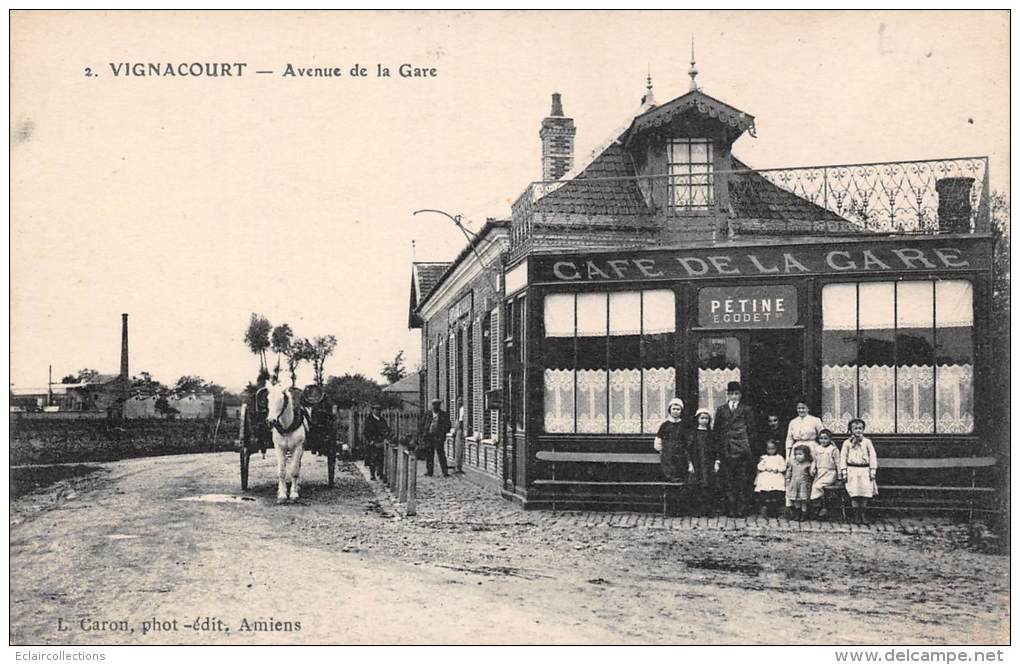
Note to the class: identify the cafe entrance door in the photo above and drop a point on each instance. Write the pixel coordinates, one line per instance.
(769, 364)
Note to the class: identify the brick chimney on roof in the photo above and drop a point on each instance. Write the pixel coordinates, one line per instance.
(123, 347)
(557, 136)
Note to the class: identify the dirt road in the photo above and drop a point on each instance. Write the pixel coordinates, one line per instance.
(168, 551)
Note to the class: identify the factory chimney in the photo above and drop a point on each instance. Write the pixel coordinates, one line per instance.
(124, 348)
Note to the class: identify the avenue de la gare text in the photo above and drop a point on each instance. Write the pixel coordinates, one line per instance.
(237, 69)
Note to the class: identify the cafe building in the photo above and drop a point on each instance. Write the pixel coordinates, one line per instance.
(663, 266)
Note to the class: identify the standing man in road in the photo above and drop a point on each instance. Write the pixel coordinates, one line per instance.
(435, 426)
(377, 431)
(735, 431)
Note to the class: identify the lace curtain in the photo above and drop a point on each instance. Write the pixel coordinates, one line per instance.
(659, 387)
(712, 386)
(915, 385)
(559, 400)
(636, 398)
(955, 403)
(910, 398)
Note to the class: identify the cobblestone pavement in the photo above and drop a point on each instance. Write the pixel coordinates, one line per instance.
(457, 500)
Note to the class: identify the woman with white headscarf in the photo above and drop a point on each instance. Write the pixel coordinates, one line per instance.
(670, 442)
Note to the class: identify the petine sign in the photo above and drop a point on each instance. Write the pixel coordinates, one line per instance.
(932, 255)
(747, 307)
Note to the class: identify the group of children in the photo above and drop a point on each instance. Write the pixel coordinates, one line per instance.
(813, 465)
(795, 470)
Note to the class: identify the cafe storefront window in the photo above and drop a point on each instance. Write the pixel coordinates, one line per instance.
(608, 361)
(900, 355)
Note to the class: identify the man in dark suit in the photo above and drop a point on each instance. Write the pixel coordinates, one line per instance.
(735, 435)
(435, 426)
(377, 431)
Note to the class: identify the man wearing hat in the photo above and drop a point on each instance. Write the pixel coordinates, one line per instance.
(435, 426)
(734, 433)
(377, 431)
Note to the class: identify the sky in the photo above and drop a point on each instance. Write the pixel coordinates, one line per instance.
(190, 203)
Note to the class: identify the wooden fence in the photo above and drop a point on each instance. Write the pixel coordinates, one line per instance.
(351, 423)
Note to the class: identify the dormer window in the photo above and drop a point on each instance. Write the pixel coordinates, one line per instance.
(691, 180)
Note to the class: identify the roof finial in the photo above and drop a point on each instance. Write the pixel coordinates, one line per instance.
(648, 100)
(693, 71)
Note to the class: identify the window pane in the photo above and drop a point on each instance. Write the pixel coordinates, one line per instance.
(839, 396)
(876, 397)
(915, 353)
(559, 400)
(915, 399)
(699, 152)
(625, 313)
(591, 315)
(954, 357)
(955, 403)
(954, 304)
(659, 387)
(559, 315)
(876, 305)
(839, 355)
(658, 313)
(625, 401)
(718, 364)
(839, 307)
(591, 401)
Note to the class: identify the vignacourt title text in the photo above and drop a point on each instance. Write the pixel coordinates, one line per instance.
(241, 69)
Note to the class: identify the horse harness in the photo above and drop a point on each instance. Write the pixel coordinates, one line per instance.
(300, 418)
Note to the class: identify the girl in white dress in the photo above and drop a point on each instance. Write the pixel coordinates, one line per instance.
(858, 465)
(770, 484)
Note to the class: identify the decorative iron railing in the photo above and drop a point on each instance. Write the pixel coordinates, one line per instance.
(914, 197)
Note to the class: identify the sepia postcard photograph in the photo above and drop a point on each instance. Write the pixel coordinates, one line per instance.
(682, 328)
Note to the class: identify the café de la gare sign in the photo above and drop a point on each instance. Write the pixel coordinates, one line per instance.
(934, 255)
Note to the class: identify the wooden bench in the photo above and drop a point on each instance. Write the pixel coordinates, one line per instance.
(608, 458)
(912, 463)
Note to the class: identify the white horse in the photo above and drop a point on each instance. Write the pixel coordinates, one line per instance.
(289, 423)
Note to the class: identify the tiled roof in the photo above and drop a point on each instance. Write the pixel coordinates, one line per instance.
(606, 187)
(754, 197)
(408, 384)
(427, 275)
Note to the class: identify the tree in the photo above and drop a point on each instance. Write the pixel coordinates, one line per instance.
(281, 342)
(300, 351)
(352, 390)
(83, 376)
(144, 384)
(320, 349)
(395, 370)
(196, 384)
(257, 337)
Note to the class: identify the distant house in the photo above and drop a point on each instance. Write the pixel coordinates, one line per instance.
(187, 407)
(407, 390)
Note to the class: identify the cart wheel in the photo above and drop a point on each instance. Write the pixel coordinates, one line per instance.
(246, 446)
(245, 462)
(331, 465)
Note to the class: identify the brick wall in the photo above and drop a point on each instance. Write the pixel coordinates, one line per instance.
(36, 441)
(480, 456)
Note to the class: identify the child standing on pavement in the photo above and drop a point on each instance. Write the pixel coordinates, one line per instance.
(770, 482)
(800, 472)
(827, 468)
(858, 465)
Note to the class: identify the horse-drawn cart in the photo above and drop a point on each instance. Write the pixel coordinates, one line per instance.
(311, 411)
